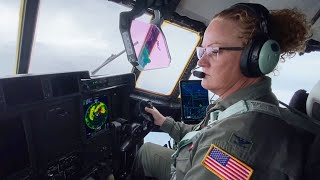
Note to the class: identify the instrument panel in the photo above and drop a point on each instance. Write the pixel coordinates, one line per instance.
(63, 126)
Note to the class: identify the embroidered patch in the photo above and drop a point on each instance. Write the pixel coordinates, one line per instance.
(241, 142)
(224, 165)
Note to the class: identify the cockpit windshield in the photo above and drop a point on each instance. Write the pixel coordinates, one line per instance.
(9, 22)
(72, 38)
(81, 37)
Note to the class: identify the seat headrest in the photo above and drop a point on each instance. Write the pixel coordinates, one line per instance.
(299, 100)
(313, 102)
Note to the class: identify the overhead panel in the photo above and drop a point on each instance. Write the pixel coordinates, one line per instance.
(204, 10)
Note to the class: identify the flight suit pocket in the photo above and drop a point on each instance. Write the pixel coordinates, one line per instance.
(183, 162)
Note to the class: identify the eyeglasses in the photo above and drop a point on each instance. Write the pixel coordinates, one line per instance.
(214, 50)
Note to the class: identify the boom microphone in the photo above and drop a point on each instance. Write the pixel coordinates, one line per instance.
(198, 74)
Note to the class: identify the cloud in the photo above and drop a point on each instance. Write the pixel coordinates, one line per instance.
(158, 138)
(64, 31)
(9, 13)
(296, 73)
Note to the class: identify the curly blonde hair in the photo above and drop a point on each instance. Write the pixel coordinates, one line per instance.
(288, 27)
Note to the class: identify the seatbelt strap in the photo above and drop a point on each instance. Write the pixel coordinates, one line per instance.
(245, 106)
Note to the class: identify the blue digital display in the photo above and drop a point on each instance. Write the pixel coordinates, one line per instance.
(194, 100)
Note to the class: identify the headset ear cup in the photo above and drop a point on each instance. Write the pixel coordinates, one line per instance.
(244, 60)
(269, 56)
(250, 63)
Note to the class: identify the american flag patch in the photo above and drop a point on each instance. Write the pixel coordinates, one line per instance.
(225, 166)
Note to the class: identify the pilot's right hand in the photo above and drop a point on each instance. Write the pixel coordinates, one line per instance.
(157, 116)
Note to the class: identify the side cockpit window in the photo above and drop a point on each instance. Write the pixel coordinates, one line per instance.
(181, 44)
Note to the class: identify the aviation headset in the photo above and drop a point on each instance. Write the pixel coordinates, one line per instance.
(261, 55)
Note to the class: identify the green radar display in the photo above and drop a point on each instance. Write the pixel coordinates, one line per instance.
(96, 114)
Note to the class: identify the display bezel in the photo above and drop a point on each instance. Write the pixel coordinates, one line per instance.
(183, 117)
(95, 94)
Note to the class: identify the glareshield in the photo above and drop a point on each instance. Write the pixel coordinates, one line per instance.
(150, 46)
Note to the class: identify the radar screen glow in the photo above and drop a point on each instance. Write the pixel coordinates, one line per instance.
(96, 115)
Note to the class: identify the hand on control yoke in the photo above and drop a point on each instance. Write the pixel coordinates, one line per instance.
(157, 116)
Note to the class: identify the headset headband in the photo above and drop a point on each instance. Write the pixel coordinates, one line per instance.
(260, 12)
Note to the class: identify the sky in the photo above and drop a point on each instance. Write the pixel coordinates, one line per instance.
(80, 34)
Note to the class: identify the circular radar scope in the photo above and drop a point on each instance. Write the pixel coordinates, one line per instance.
(96, 115)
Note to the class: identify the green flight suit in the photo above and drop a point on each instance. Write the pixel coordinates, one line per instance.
(264, 142)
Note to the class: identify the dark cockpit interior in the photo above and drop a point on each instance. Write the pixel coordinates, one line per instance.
(70, 126)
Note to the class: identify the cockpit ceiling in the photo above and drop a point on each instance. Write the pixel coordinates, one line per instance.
(204, 10)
